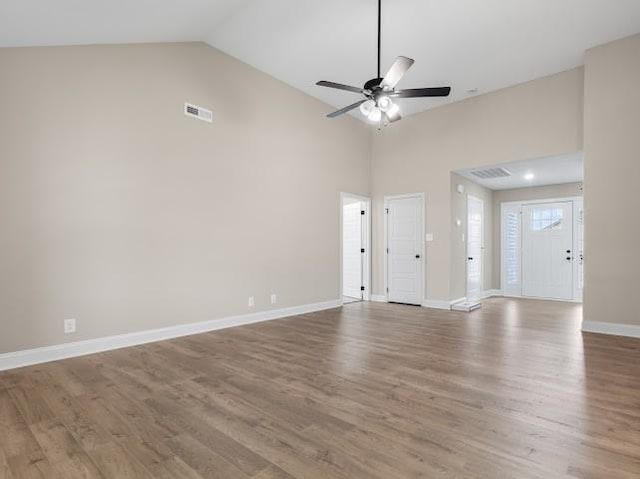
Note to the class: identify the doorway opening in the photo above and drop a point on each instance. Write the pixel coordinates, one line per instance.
(517, 230)
(355, 246)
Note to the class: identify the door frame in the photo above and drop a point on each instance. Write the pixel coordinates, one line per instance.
(366, 233)
(421, 197)
(482, 247)
(577, 202)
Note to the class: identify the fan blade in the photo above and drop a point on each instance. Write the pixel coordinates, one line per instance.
(396, 72)
(346, 109)
(421, 92)
(340, 86)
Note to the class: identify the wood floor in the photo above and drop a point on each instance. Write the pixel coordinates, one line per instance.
(371, 390)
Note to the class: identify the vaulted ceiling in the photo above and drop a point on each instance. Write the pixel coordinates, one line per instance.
(467, 44)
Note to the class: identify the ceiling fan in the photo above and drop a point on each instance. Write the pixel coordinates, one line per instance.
(378, 105)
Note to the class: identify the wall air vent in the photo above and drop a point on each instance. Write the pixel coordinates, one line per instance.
(197, 112)
(490, 173)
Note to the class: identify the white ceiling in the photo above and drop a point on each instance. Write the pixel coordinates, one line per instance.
(554, 170)
(487, 44)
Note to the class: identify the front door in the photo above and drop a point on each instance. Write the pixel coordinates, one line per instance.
(547, 256)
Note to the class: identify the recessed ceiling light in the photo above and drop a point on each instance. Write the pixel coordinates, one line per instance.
(529, 176)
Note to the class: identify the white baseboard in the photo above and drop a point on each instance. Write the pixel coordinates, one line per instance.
(379, 298)
(519, 296)
(436, 304)
(616, 329)
(80, 348)
(491, 293)
(459, 300)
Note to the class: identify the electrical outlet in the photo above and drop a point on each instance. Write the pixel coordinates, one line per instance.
(274, 299)
(69, 326)
(251, 302)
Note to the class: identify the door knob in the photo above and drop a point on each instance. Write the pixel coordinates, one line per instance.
(568, 251)
(470, 258)
(568, 258)
(417, 256)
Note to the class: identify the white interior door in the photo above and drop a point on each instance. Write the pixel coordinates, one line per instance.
(352, 250)
(404, 250)
(475, 247)
(547, 244)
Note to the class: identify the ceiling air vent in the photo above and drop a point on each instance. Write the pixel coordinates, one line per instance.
(197, 112)
(490, 173)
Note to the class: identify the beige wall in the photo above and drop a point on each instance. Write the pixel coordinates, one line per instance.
(612, 170)
(119, 211)
(565, 190)
(536, 119)
(459, 234)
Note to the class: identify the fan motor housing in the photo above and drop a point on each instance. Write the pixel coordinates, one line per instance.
(373, 84)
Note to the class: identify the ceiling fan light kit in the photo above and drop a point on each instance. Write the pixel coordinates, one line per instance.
(378, 105)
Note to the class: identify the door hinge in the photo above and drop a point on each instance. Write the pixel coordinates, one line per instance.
(387, 210)
(361, 212)
(362, 250)
(387, 290)
(361, 288)
(387, 250)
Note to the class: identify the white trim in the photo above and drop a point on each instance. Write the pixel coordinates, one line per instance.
(378, 298)
(423, 279)
(578, 204)
(459, 300)
(80, 348)
(436, 304)
(542, 201)
(366, 271)
(617, 329)
(539, 298)
(491, 293)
